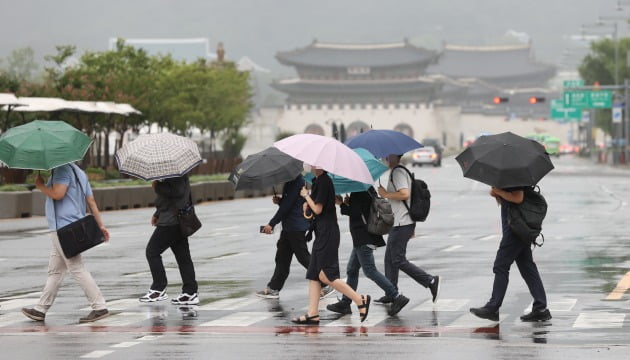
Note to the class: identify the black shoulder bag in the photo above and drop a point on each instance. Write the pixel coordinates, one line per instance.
(80, 235)
(188, 221)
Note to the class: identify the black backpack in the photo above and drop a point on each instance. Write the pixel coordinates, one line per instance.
(526, 218)
(381, 218)
(420, 198)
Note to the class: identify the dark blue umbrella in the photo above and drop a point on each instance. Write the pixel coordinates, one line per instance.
(382, 143)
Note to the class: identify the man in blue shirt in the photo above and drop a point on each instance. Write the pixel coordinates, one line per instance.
(292, 238)
(67, 192)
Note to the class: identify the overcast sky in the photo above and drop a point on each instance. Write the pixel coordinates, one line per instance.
(260, 28)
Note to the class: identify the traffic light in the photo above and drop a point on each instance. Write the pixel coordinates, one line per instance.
(536, 100)
(498, 100)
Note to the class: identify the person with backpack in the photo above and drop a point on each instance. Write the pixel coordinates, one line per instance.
(399, 191)
(512, 249)
(357, 207)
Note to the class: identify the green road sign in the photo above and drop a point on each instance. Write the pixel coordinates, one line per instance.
(600, 99)
(573, 83)
(562, 113)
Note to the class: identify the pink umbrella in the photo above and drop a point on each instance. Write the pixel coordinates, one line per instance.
(326, 153)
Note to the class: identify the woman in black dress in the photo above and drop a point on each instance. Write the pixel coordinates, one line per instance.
(324, 264)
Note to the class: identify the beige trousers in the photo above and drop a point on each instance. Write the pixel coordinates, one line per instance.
(58, 264)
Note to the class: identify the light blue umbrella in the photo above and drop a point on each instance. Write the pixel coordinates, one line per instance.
(344, 185)
(382, 143)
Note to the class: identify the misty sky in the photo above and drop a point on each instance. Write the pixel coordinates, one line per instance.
(260, 28)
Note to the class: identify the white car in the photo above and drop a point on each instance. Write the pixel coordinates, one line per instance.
(425, 155)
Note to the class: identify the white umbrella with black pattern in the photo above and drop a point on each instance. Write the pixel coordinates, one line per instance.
(158, 156)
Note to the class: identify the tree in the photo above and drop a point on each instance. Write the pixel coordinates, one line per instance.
(599, 66)
(20, 65)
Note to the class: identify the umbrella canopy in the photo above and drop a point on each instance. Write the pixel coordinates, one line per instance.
(383, 143)
(266, 168)
(158, 156)
(42, 145)
(326, 153)
(344, 186)
(505, 160)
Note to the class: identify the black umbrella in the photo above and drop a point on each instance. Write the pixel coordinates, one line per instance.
(505, 160)
(264, 169)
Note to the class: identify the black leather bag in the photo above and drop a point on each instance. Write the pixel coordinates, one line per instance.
(188, 221)
(79, 236)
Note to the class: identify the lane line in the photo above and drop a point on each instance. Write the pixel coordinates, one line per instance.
(241, 319)
(97, 354)
(621, 288)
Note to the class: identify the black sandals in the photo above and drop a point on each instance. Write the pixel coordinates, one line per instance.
(366, 305)
(306, 320)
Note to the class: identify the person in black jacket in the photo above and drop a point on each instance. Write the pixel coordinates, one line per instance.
(292, 238)
(172, 194)
(357, 207)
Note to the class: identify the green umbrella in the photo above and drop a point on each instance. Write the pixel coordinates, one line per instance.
(42, 145)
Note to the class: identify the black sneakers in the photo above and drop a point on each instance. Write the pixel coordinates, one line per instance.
(399, 302)
(435, 288)
(534, 316)
(340, 307)
(33, 314)
(384, 300)
(485, 313)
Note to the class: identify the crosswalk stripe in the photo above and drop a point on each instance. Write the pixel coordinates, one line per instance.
(17, 303)
(599, 320)
(122, 319)
(556, 305)
(36, 294)
(442, 305)
(119, 305)
(12, 318)
(230, 304)
(97, 354)
(126, 344)
(240, 319)
(452, 248)
(374, 317)
(471, 321)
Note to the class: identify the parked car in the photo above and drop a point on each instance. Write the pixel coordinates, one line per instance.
(437, 145)
(425, 155)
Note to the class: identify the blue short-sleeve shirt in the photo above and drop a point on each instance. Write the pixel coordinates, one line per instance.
(72, 206)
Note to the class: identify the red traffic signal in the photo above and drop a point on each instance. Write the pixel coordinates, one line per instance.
(536, 100)
(498, 100)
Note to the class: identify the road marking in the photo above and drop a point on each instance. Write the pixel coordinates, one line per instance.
(556, 305)
(374, 318)
(149, 337)
(621, 288)
(223, 257)
(122, 319)
(38, 231)
(240, 319)
(126, 344)
(17, 303)
(2, 259)
(599, 320)
(119, 305)
(12, 318)
(489, 237)
(36, 293)
(471, 321)
(230, 304)
(97, 354)
(452, 248)
(442, 305)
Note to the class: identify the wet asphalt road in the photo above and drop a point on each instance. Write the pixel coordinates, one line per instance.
(585, 258)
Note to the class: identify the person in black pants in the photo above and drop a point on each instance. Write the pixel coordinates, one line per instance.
(512, 249)
(292, 238)
(172, 194)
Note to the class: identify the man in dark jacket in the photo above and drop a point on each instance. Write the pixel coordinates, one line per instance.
(357, 207)
(292, 238)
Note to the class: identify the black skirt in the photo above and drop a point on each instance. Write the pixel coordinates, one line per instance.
(325, 251)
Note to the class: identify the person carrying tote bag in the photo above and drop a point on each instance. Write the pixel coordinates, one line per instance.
(173, 194)
(67, 193)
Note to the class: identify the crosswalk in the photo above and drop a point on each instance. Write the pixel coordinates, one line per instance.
(251, 311)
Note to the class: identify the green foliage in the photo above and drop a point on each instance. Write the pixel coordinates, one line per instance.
(233, 143)
(20, 65)
(11, 188)
(111, 174)
(599, 66)
(206, 178)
